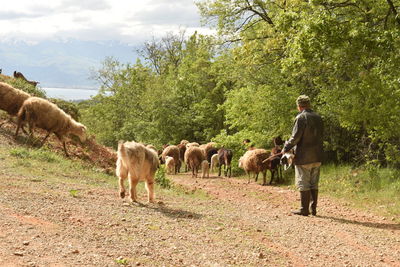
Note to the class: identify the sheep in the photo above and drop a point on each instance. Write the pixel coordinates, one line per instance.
(19, 75)
(170, 164)
(205, 169)
(193, 158)
(184, 142)
(225, 158)
(172, 151)
(192, 144)
(256, 161)
(11, 99)
(182, 149)
(214, 162)
(39, 112)
(139, 164)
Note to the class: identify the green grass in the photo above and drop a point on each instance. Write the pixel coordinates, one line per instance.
(376, 189)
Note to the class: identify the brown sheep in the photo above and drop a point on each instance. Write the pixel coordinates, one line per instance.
(11, 99)
(19, 75)
(193, 158)
(256, 161)
(139, 164)
(172, 151)
(38, 112)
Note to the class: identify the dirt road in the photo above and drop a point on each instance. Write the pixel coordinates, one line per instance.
(60, 219)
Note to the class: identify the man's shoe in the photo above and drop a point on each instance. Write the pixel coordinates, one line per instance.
(314, 201)
(305, 203)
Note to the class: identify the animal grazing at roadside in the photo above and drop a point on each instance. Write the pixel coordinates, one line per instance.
(194, 156)
(139, 164)
(224, 159)
(19, 75)
(38, 112)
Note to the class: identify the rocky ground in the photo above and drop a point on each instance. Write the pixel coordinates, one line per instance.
(201, 222)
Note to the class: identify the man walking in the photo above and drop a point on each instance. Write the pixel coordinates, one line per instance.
(306, 140)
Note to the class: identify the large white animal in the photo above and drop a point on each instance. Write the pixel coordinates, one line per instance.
(139, 164)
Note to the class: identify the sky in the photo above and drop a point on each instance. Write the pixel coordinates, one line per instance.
(59, 42)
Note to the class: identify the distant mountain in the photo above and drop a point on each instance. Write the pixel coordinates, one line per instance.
(62, 64)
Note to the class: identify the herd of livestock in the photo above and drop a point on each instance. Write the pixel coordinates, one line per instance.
(135, 161)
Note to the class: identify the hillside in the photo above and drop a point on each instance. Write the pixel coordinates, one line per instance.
(66, 212)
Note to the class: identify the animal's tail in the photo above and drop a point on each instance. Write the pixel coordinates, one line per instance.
(22, 114)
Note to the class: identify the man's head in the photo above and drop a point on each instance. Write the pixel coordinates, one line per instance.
(303, 102)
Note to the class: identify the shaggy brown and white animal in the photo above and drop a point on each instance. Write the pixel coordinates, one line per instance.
(11, 99)
(139, 164)
(19, 75)
(193, 158)
(170, 164)
(205, 169)
(172, 151)
(256, 161)
(38, 112)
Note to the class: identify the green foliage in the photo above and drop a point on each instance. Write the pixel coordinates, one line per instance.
(343, 55)
(37, 154)
(378, 186)
(161, 179)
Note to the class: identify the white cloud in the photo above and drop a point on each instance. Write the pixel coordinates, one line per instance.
(89, 20)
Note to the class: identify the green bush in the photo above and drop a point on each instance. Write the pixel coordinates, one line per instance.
(161, 179)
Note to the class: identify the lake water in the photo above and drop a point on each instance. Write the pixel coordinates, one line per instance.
(70, 93)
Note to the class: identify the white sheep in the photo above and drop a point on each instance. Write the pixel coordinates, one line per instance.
(172, 151)
(38, 112)
(170, 164)
(214, 162)
(139, 164)
(205, 169)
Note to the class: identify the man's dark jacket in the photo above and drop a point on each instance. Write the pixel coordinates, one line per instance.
(306, 138)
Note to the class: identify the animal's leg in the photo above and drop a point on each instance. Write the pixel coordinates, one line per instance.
(264, 178)
(133, 181)
(230, 171)
(272, 176)
(150, 189)
(123, 174)
(61, 140)
(219, 170)
(256, 176)
(45, 138)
